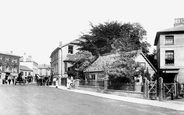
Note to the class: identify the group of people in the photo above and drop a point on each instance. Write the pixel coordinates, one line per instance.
(6, 79)
(11, 79)
(70, 82)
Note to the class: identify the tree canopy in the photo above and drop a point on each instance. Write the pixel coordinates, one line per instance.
(114, 37)
(110, 36)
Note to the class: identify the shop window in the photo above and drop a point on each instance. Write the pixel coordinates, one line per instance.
(169, 40)
(169, 57)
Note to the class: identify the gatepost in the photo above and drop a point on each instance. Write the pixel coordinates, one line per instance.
(160, 88)
(106, 82)
(145, 88)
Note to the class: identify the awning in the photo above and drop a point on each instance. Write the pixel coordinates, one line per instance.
(170, 71)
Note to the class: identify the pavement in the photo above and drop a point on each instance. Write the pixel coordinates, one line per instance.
(170, 104)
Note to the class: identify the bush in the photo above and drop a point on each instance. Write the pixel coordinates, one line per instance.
(118, 83)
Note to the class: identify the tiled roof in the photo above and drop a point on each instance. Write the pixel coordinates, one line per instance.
(24, 68)
(100, 63)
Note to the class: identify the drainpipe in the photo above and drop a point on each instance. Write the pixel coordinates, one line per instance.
(60, 62)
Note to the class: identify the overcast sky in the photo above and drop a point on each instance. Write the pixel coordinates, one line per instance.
(35, 27)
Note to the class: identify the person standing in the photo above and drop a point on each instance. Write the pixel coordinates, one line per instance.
(57, 80)
(9, 79)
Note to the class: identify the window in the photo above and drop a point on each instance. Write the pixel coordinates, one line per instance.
(70, 49)
(93, 76)
(25, 73)
(169, 57)
(169, 40)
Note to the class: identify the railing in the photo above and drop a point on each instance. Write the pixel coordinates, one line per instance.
(112, 85)
(169, 90)
(92, 83)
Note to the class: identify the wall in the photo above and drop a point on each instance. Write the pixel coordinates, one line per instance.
(10, 61)
(140, 58)
(44, 70)
(178, 48)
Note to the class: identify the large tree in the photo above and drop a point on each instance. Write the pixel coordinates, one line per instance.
(104, 38)
(116, 37)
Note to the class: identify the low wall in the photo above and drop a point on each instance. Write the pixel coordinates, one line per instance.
(113, 92)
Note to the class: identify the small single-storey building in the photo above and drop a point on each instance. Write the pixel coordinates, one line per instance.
(96, 70)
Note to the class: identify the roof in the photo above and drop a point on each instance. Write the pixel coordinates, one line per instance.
(10, 54)
(99, 64)
(25, 68)
(43, 66)
(174, 30)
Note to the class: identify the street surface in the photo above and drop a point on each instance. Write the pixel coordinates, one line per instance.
(43, 100)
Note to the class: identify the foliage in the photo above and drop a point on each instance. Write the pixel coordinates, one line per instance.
(104, 38)
(152, 58)
(114, 37)
(125, 66)
(145, 73)
(82, 60)
(154, 77)
(118, 82)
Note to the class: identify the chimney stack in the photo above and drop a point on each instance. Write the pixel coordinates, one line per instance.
(60, 44)
(178, 21)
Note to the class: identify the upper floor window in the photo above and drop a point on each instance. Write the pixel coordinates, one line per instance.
(70, 49)
(169, 39)
(169, 57)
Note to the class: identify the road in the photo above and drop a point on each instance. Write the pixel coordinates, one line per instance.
(41, 100)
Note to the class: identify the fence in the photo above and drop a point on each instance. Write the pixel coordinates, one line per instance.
(111, 85)
(92, 83)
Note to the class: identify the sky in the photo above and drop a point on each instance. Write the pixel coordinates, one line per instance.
(36, 27)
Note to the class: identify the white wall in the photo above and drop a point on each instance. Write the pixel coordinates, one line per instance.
(140, 58)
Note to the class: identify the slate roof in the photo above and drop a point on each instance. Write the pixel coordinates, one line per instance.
(174, 30)
(25, 68)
